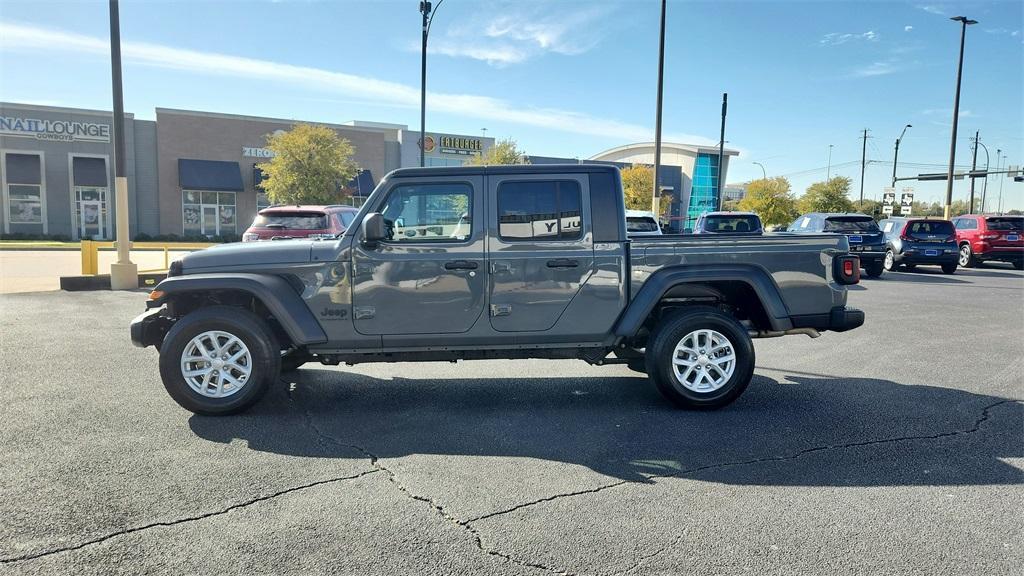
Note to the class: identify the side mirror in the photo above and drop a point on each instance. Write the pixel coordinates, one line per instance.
(373, 229)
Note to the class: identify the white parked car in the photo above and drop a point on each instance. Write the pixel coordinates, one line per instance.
(641, 223)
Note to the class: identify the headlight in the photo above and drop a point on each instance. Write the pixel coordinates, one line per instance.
(250, 237)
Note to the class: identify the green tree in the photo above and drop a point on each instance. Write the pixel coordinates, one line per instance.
(504, 152)
(310, 165)
(828, 196)
(770, 198)
(872, 208)
(638, 185)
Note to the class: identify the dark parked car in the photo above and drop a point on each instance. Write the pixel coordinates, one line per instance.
(866, 240)
(728, 223)
(983, 238)
(915, 241)
(288, 222)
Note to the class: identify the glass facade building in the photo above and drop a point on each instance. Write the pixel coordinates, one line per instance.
(704, 192)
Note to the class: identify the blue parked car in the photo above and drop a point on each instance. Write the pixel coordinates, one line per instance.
(865, 238)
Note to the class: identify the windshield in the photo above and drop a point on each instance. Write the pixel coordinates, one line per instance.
(347, 218)
(641, 224)
(923, 228)
(850, 224)
(292, 221)
(744, 223)
(1016, 224)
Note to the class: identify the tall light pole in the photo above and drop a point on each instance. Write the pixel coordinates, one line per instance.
(124, 274)
(964, 23)
(427, 19)
(999, 164)
(863, 165)
(828, 169)
(764, 173)
(657, 114)
(721, 153)
(896, 155)
(984, 186)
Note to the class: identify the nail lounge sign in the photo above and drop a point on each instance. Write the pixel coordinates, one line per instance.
(56, 130)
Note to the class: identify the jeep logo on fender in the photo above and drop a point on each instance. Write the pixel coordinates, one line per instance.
(334, 313)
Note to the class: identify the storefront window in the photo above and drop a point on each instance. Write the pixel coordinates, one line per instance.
(24, 188)
(208, 213)
(91, 212)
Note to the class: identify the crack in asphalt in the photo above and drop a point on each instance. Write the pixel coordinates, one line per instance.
(434, 505)
(126, 531)
(985, 415)
(467, 524)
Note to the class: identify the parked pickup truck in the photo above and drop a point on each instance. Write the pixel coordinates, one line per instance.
(446, 264)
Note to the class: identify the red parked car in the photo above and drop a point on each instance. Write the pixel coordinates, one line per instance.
(983, 238)
(287, 222)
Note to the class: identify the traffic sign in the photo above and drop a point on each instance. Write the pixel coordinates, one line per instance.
(887, 209)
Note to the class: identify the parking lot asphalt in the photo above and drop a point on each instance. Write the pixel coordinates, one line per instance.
(897, 448)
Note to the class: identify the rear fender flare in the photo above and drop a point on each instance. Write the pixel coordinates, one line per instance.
(280, 298)
(664, 280)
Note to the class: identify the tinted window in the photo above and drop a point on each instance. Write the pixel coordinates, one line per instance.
(541, 210)
(747, 223)
(428, 213)
(965, 224)
(850, 224)
(641, 224)
(292, 221)
(1016, 224)
(922, 228)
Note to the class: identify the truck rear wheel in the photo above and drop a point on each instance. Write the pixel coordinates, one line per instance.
(701, 358)
(219, 360)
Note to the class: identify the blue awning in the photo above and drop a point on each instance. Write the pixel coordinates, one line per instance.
(362, 183)
(209, 175)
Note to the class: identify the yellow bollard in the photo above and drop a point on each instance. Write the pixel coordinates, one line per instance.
(90, 258)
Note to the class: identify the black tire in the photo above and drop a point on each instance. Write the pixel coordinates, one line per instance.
(247, 327)
(910, 267)
(967, 259)
(890, 261)
(949, 268)
(874, 269)
(661, 351)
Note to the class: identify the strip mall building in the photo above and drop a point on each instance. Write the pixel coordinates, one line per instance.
(189, 173)
(194, 173)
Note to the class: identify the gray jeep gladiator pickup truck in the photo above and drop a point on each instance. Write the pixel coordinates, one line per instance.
(493, 262)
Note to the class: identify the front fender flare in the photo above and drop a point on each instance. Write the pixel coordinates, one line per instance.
(663, 280)
(280, 298)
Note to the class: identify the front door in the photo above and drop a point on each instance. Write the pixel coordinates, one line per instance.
(429, 276)
(90, 225)
(209, 221)
(541, 249)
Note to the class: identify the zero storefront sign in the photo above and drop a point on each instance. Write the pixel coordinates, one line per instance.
(253, 152)
(58, 130)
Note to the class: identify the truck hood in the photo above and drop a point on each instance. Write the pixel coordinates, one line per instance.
(246, 254)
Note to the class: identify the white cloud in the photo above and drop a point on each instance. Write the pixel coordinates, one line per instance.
(908, 28)
(947, 112)
(932, 9)
(875, 69)
(836, 38)
(511, 34)
(17, 37)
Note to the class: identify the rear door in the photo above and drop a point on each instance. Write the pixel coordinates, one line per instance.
(540, 246)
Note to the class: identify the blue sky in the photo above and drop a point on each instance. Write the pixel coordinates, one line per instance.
(565, 78)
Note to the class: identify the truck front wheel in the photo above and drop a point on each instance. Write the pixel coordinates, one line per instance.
(219, 360)
(701, 358)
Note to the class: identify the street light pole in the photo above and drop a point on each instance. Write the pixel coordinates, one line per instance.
(964, 23)
(764, 173)
(124, 274)
(721, 153)
(896, 155)
(828, 170)
(984, 186)
(425, 10)
(657, 114)
(974, 166)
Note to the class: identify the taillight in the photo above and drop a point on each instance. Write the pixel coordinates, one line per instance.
(988, 236)
(846, 269)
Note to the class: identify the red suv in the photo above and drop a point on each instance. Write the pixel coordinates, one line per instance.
(287, 222)
(983, 238)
